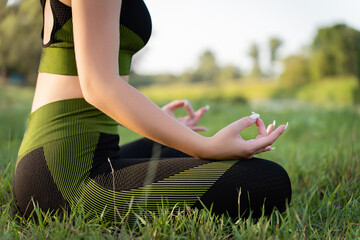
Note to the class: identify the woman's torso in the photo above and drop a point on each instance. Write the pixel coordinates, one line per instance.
(52, 86)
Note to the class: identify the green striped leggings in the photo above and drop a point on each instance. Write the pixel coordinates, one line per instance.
(71, 153)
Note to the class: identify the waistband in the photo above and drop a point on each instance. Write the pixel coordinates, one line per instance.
(62, 119)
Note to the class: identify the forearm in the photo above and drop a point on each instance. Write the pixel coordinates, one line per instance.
(131, 108)
(97, 64)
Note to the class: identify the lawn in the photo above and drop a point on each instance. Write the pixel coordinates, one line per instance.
(320, 151)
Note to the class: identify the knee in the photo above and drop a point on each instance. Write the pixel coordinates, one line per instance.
(270, 188)
(254, 185)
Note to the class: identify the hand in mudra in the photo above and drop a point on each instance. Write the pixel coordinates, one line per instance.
(193, 117)
(228, 143)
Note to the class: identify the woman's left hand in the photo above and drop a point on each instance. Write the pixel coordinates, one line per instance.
(192, 119)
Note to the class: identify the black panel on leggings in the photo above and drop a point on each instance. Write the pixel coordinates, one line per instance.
(146, 148)
(132, 173)
(265, 182)
(34, 181)
(106, 147)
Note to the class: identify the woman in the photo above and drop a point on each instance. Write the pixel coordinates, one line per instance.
(70, 151)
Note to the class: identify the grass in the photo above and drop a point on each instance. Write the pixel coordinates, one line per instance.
(320, 151)
(330, 91)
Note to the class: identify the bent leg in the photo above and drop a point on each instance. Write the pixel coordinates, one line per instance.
(149, 183)
(249, 184)
(146, 148)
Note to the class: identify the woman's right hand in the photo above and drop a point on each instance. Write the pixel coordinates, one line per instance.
(228, 144)
(193, 117)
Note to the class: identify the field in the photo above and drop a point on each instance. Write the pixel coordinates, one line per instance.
(320, 151)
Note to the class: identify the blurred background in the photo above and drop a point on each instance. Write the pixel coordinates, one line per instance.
(233, 51)
(292, 61)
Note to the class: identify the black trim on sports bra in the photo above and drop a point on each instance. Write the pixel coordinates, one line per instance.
(61, 14)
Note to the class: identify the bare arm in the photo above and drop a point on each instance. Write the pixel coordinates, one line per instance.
(96, 38)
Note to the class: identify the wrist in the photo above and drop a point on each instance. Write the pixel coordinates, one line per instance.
(204, 148)
(212, 149)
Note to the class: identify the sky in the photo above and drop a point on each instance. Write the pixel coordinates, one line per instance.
(184, 29)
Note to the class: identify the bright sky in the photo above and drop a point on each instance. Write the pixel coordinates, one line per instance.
(183, 29)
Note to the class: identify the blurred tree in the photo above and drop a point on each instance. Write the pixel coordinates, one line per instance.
(229, 72)
(336, 51)
(254, 54)
(3, 11)
(274, 44)
(207, 70)
(3, 8)
(186, 76)
(296, 71)
(20, 40)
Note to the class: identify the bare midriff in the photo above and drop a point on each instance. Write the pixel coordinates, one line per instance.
(54, 87)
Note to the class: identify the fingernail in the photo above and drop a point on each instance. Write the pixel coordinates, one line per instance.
(207, 107)
(254, 115)
(287, 124)
(186, 101)
(273, 148)
(274, 122)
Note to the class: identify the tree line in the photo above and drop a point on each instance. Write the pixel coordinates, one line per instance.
(335, 51)
(210, 71)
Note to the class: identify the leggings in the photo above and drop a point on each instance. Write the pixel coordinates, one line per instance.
(70, 153)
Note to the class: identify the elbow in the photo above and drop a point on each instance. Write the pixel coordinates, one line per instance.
(90, 88)
(96, 87)
(90, 98)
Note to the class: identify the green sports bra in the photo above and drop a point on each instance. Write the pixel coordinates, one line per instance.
(58, 54)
